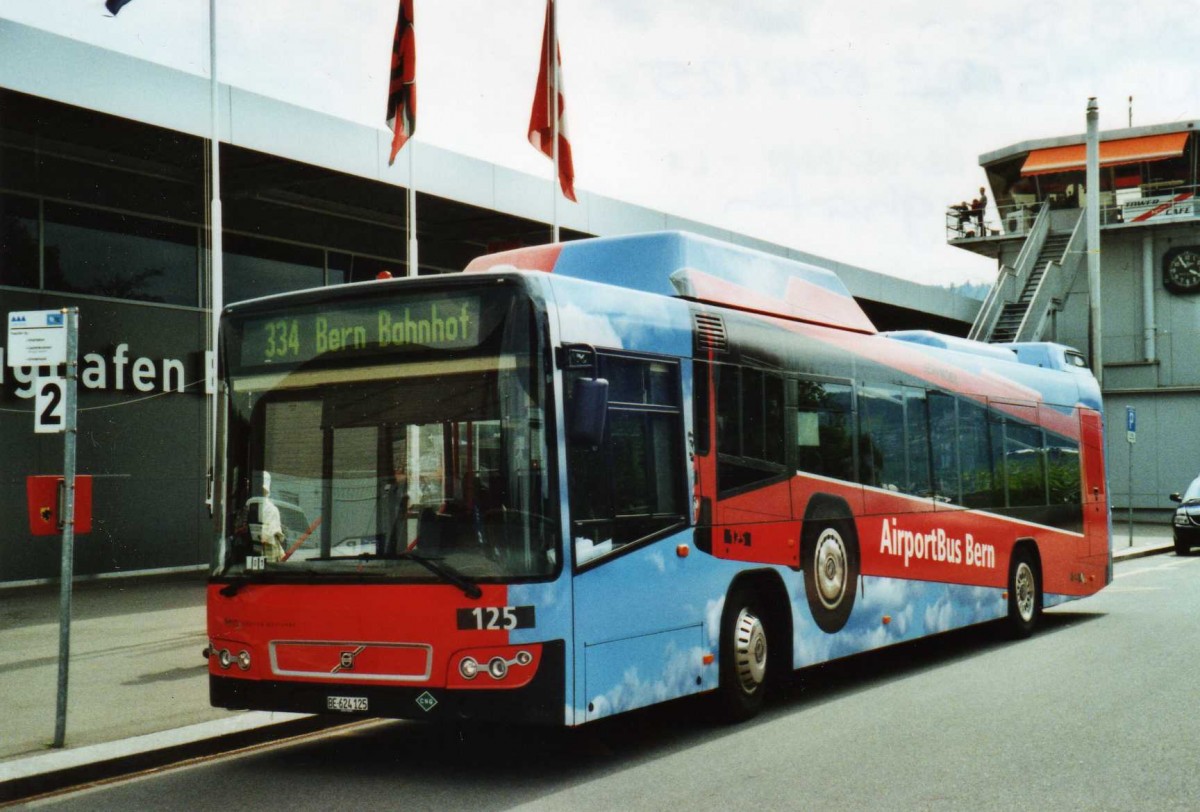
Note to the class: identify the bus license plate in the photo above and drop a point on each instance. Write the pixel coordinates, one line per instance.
(347, 704)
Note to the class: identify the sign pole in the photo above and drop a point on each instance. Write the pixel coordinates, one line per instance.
(68, 520)
(1131, 437)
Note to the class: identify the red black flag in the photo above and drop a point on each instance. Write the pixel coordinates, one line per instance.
(541, 124)
(402, 86)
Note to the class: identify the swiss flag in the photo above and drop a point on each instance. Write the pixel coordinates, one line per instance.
(541, 124)
(402, 86)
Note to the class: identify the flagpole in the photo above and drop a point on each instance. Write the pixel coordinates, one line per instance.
(413, 267)
(216, 264)
(552, 72)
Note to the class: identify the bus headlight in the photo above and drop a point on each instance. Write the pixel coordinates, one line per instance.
(505, 666)
(243, 660)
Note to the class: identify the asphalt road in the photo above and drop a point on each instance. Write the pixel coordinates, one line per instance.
(1100, 710)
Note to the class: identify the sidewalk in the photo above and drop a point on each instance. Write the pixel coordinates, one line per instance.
(138, 681)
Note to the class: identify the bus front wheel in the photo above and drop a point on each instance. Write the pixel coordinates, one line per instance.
(829, 556)
(743, 657)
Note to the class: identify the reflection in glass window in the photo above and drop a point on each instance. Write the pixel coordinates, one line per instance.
(917, 426)
(750, 430)
(345, 268)
(943, 429)
(18, 241)
(979, 486)
(1024, 463)
(881, 442)
(119, 255)
(630, 487)
(823, 412)
(255, 267)
(1063, 481)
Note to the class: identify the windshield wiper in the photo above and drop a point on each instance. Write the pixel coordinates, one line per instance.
(442, 571)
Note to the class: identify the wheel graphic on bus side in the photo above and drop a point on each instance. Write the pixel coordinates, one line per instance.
(1024, 594)
(743, 656)
(829, 556)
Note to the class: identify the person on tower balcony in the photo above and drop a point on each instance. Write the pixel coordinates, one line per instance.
(977, 209)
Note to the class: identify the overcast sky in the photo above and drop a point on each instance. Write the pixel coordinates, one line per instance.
(839, 127)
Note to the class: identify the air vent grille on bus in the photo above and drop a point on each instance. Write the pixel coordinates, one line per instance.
(710, 333)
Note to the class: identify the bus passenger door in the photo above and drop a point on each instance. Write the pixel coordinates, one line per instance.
(1095, 489)
(637, 625)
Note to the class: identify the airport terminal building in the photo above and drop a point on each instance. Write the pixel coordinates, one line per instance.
(104, 203)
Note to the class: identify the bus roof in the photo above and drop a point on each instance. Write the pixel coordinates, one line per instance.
(684, 265)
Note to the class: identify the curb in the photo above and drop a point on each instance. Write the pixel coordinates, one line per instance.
(48, 772)
(1142, 552)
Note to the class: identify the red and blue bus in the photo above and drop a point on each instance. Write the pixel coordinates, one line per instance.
(587, 477)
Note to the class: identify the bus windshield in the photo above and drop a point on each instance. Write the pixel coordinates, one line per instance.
(371, 442)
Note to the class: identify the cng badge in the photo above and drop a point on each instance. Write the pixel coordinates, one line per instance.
(426, 701)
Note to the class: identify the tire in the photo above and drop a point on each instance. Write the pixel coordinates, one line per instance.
(744, 652)
(1182, 548)
(1024, 595)
(831, 564)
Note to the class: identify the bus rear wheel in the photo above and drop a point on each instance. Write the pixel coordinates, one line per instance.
(743, 657)
(829, 555)
(1024, 595)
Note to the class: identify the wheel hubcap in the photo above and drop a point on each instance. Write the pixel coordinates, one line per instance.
(1023, 584)
(829, 567)
(750, 641)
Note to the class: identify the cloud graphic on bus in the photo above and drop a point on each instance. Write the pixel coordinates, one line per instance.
(676, 678)
(913, 608)
(579, 325)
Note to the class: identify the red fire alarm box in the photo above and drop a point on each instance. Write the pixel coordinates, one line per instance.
(46, 496)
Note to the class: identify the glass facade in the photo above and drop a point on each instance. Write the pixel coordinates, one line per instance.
(120, 256)
(256, 267)
(18, 241)
(68, 248)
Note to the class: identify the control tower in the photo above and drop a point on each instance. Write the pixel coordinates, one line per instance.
(1149, 284)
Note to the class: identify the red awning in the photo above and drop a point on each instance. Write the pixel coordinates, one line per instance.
(1112, 153)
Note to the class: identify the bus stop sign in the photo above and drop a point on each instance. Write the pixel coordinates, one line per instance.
(1131, 424)
(37, 338)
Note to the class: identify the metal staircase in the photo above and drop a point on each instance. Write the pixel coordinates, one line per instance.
(1022, 303)
(1013, 314)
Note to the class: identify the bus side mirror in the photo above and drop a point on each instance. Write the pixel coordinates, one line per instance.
(589, 407)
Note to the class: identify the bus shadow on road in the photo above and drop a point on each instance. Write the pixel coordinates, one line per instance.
(863, 671)
(479, 763)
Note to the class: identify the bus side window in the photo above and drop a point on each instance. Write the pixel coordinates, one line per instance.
(980, 488)
(943, 433)
(916, 424)
(1063, 477)
(750, 430)
(822, 438)
(881, 437)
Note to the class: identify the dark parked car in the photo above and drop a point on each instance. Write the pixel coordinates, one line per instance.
(1187, 518)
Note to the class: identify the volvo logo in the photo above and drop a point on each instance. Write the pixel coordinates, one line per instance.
(346, 661)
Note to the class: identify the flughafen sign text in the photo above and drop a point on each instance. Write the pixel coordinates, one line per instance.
(117, 371)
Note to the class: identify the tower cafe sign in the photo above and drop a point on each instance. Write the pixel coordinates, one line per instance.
(115, 370)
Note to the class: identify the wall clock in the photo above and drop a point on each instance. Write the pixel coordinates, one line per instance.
(1181, 269)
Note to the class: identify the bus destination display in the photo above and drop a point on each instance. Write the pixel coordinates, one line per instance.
(443, 323)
